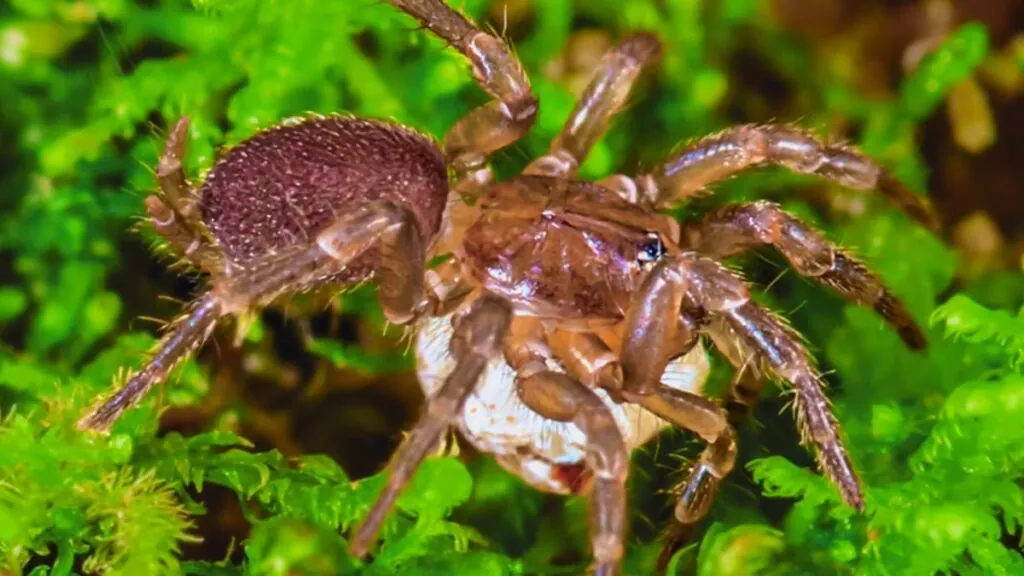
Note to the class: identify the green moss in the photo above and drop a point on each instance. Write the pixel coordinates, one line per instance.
(87, 88)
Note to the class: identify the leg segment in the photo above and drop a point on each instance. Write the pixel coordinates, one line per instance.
(659, 321)
(704, 284)
(780, 347)
(400, 270)
(724, 154)
(175, 215)
(740, 227)
(399, 274)
(587, 358)
(602, 99)
(664, 321)
(479, 335)
(749, 379)
(557, 396)
(494, 125)
(698, 490)
(707, 420)
(656, 324)
(624, 186)
(186, 334)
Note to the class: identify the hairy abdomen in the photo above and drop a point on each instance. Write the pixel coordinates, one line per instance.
(284, 185)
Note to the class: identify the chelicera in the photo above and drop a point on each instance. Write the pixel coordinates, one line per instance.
(565, 327)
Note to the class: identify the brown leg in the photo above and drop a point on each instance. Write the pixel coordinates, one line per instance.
(780, 347)
(657, 323)
(602, 99)
(735, 149)
(622, 185)
(400, 270)
(399, 276)
(742, 397)
(664, 321)
(706, 419)
(479, 335)
(496, 124)
(557, 396)
(587, 358)
(748, 380)
(185, 335)
(175, 215)
(697, 492)
(702, 283)
(740, 227)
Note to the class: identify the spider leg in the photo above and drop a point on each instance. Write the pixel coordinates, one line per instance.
(586, 357)
(565, 398)
(185, 335)
(706, 419)
(624, 186)
(740, 227)
(175, 214)
(661, 324)
(779, 347)
(698, 490)
(748, 381)
(398, 271)
(739, 148)
(557, 396)
(496, 124)
(478, 337)
(603, 97)
(663, 311)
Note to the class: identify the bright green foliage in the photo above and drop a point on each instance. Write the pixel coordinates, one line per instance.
(86, 91)
(959, 55)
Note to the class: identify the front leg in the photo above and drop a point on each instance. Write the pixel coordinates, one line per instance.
(749, 378)
(496, 124)
(661, 324)
(733, 150)
(399, 273)
(664, 312)
(741, 227)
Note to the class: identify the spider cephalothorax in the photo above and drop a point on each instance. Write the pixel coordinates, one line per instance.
(564, 328)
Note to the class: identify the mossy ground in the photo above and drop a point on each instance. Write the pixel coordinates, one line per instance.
(241, 473)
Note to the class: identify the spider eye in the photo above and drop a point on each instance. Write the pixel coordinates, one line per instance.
(652, 249)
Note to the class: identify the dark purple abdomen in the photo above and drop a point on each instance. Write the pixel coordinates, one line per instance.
(284, 185)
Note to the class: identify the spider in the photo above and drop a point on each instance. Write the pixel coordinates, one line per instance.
(565, 327)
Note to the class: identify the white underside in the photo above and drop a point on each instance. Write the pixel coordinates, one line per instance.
(497, 422)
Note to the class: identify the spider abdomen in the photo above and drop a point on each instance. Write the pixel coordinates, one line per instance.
(286, 184)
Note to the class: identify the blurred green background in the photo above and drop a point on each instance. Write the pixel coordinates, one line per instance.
(201, 478)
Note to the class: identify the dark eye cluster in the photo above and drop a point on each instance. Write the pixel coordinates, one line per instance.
(651, 250)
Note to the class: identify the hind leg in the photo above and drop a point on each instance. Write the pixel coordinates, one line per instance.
(399, 274)
(478, 338)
